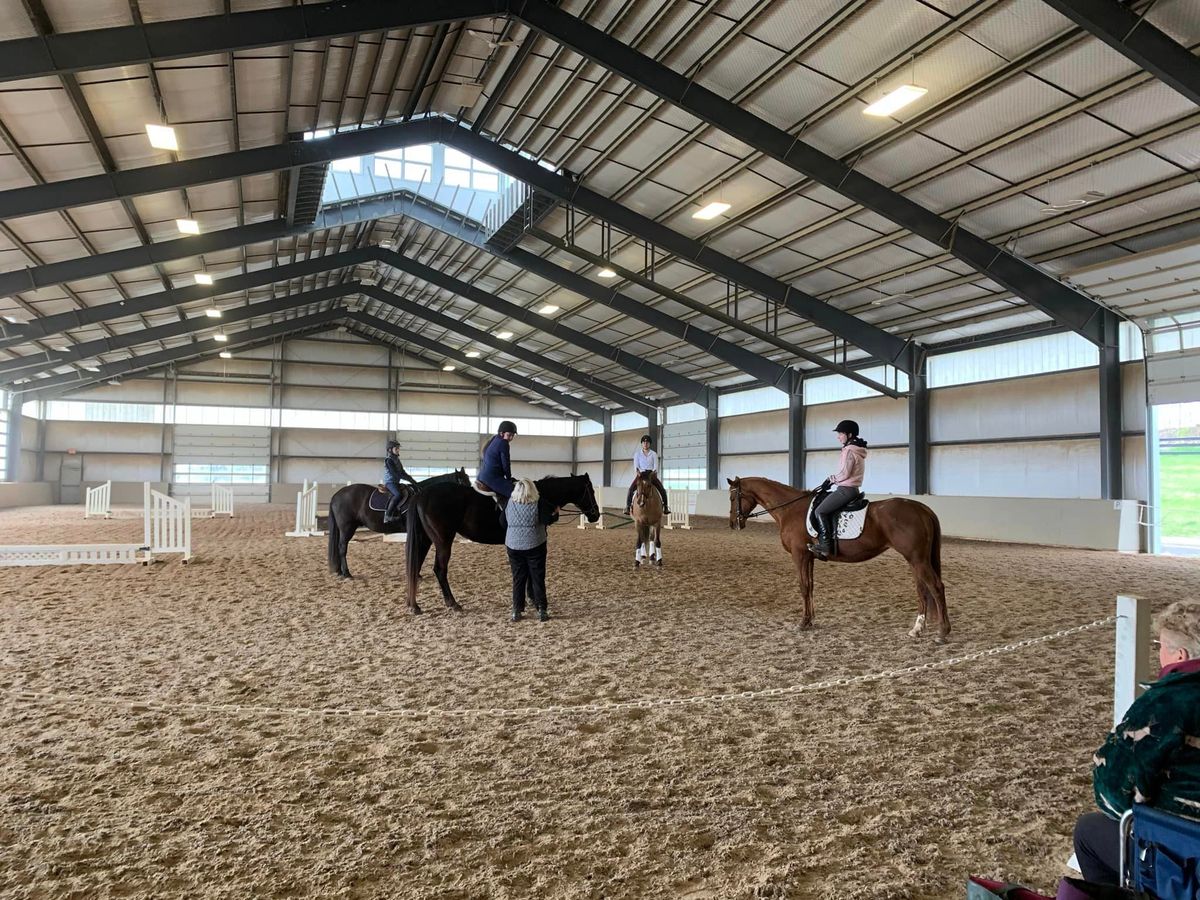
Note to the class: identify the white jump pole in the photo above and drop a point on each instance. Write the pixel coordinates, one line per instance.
(1132, 659)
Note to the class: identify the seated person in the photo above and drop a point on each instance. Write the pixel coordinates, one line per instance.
(495, 470)
(1153, 755)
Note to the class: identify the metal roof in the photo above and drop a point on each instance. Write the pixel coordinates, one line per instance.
(1034, 134)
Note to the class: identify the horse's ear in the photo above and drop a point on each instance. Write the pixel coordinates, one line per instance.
(730, 480)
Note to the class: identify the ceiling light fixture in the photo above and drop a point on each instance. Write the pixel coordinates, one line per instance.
(91, 368)
(203, 278)
(162, 137)
(504, 335)
(225, 354)
(712, 210)
(220, 336)
(187, 226)
(448, 368)
(213, 313)
(895, 101)
(547, 309)
(473, 354)
(607, 273)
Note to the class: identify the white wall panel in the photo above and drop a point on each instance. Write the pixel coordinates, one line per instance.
(1063, 403)
(345, 375)
(881, 420)
(29, 433)
(332, 444)
(761, 465)
(120, 467)
(218, 393)
(1033, 469)
(514, 408)
(344, 350)
(102, 437)
(426, 402)
(225, 368)
(887, 470)
(1133, 397)
(331, 471)
(625, 444)
(1133, 456)
(144, 390)
(541, 449)
(753, 432)
(334, 399)
(591, 449)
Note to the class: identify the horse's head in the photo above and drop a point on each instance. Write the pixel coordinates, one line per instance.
(644, 488)
(741, 504)
(461, 477)
(587, 502)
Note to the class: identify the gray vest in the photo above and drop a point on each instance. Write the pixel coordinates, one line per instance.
(524, 530)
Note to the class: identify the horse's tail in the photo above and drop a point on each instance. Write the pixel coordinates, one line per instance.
(935, 549)
(335, 539)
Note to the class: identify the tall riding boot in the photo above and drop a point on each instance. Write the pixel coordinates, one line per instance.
(823, 546)
(666, 506)
(629, 499)
(389, 515)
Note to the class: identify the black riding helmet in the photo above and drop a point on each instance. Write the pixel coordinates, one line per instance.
(391, 444)
(508, 426)
(847, 426)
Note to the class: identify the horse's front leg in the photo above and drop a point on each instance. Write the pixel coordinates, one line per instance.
(803, 561)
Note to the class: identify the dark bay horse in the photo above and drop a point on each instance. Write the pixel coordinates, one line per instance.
(436, 515)
(908, 527)
(350, 509)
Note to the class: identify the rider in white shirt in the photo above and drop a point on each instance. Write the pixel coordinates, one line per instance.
(646, 460)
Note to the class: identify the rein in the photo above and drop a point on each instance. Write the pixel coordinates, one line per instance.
(762, 512)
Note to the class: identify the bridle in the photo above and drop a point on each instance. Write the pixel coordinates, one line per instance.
(741, 518)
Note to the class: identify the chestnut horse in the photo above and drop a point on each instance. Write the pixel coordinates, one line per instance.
(908, 527)
(647, 516)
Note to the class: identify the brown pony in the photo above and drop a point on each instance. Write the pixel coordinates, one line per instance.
(908, 527)
(647, 516)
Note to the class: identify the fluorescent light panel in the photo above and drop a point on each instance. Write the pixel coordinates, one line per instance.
(213, 313)
(187, 226)
(896, 100)
(607, 273)
(711, 211)
(221, 337)
(203, 278)
(225, 354)
(473, 354)
(504, 335)
(162, 137)
(448, 368)
(547, 309)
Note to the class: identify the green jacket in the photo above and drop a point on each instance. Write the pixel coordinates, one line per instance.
(1153, 755)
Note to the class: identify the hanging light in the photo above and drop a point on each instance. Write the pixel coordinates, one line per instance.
(162, 137)
(187, 226)
(225, 354)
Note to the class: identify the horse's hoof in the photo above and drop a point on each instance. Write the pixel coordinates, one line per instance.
(939, 640)
(415, 610)
(457, 607)
(637, 565)
(658, 562)
(806, 626)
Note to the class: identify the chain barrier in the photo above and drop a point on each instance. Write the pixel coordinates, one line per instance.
(159, 706)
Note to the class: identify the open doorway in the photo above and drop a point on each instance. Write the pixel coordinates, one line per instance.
(1177, 426)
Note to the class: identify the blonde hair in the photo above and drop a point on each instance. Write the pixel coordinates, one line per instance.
(525, 491)
(1182, 620)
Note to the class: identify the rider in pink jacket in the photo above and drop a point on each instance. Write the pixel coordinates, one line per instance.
(846, 484)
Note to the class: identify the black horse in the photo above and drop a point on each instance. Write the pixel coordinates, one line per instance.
(350, 509)
(436, 515)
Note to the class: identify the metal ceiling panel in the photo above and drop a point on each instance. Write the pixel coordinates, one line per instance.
(68, 160)
(1182, 149)
(879, 260)
(1050, 147)
(996, 112)
(1017, 26)
(1145, 107)
(742, 60)
(1001, 218)
(161, 10)
(1182, 199)
(1084, 66)
(73, 16)
(1180, 19)
(787, 23)
(953, 189)
(904, 157)
(792, 95)
(881, 30)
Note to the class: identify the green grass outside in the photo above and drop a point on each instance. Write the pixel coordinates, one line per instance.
(1180, 494)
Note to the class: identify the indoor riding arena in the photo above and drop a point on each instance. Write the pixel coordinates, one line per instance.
(295, 295)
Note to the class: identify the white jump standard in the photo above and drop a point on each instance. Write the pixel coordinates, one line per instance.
(98, 503)
(306, 512)
(167, 529)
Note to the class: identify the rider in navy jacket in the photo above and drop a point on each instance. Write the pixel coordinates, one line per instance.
(393, 474)
(495, 471)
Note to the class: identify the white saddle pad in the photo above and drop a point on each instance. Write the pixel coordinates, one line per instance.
(849, 524)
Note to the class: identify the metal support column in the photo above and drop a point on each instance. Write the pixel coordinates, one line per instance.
(12, 452)
(712, 435)
(796, 433)
(606, 471)
(918, 429)
(1111, 482)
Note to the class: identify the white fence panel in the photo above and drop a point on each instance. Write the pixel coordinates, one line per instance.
(168, 523)
(99, 502)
